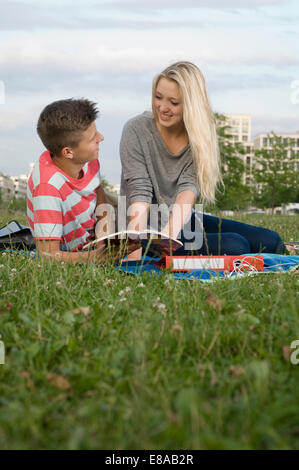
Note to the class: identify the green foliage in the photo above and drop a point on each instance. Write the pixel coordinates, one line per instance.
(13, 204)
(275, 174)
(176, 365)
(105, 183)
(234, 194)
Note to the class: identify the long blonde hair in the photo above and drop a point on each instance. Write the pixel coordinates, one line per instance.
(199, 122)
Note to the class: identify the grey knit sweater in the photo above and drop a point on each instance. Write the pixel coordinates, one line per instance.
(150, 172)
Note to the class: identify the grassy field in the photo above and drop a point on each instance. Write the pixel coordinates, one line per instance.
(97, 359)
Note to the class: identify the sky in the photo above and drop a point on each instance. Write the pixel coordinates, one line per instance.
(109, 51)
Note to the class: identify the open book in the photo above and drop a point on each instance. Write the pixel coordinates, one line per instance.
(155, 243)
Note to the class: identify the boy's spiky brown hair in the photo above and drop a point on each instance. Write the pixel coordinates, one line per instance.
(62, 122)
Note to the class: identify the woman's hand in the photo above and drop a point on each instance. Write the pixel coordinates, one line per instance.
(116, 252)
(180, 213)
(135, 255)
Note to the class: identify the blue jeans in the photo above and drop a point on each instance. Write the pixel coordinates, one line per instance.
(228, 237)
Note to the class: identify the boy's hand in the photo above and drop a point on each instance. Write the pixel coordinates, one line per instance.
(101, 246)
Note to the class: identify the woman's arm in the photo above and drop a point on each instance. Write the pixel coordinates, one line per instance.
(138, 185)
(138, 216)
(180, 213)
(135, 176)
(179, 216)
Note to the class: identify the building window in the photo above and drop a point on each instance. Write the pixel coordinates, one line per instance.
(247, 160)
(244, 138)
(265, 141)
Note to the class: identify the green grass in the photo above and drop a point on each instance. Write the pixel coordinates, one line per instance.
(178, 364)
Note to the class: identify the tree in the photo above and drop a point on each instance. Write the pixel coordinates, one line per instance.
(234, 194)
(105, 183)
(275, 174)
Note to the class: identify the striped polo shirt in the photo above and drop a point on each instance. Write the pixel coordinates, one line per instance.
(60, 207)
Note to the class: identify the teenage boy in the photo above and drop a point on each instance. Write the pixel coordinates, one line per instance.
(64, 188)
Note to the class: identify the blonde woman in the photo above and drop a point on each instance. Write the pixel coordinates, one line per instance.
(170, 156)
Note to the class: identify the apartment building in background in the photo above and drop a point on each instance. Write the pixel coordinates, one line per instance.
(6, 187)
(265, 141)
(116, 188)
(240, 127)
(240, 130)
(14, 186)
(20, 185)
(262, 141)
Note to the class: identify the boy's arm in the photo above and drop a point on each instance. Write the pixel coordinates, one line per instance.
(101, 198)
(47, 219)
(49, 250)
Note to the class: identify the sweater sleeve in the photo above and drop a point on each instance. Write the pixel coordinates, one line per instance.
(135, 173)
(187, 180)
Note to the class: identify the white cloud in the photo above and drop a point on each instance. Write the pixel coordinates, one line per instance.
(279, 124)
(131, 52)
(159, 4)
(2, 92)
(14, 120)
(134, 14)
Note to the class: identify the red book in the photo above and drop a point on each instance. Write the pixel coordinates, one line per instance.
(218, 263)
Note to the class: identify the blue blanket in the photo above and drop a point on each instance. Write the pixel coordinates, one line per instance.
(272, 263)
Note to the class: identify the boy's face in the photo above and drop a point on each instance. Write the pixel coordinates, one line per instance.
(88, 147)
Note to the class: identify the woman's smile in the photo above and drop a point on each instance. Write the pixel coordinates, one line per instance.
(165, 117)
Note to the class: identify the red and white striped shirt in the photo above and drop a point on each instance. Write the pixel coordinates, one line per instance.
(60, 207)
